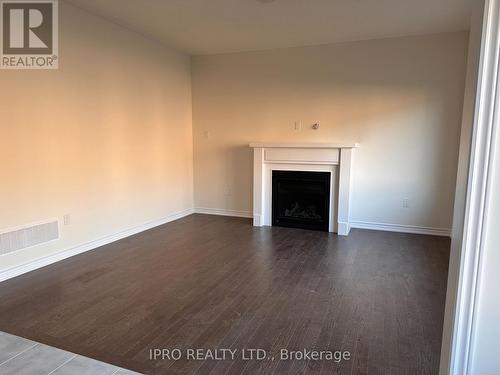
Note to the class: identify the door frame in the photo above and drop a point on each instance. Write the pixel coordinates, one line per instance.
(456, 354)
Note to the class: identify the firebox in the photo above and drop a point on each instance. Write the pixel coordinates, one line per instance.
(301, 199)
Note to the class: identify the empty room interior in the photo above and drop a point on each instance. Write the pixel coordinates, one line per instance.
(244, 187)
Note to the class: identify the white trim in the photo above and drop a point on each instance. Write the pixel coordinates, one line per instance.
(414, 229)
(64, 254)
(445, 232)
(305, 145)
(479, 181)
(343, 228)
(344, 191)
(223, 212)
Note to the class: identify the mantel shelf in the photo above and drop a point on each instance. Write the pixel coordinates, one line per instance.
(304, 145)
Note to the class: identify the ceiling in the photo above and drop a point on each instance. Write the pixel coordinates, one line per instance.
(219, 26)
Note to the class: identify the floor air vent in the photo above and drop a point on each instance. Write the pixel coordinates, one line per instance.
(27, 236)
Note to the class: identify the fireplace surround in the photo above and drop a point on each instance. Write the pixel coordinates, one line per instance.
(334, 158)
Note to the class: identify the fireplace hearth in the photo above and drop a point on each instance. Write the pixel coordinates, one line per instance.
(301, 199)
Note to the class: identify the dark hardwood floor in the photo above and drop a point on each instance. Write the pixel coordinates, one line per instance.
(217, 282)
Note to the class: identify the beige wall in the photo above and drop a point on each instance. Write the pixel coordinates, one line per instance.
(106, 138)
(400, 98)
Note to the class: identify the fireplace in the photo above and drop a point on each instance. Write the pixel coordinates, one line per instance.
(334, 158)
(301, 199)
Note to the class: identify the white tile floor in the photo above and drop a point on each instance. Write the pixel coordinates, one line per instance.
(19, 356)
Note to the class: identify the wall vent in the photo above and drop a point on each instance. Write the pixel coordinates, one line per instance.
(27, 236)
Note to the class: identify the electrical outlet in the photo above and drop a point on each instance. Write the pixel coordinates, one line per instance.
(67, 219)
(228, 192)
(206, 134)
(406, 203)
(297, 126)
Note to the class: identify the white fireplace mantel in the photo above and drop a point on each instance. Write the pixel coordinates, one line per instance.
(305, 145)
(335, 158)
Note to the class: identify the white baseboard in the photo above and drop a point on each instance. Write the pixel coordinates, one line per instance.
(223, 212)
(445, 232)
(64, 254)
(344, 228)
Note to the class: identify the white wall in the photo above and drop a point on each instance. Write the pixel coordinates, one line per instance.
(106, 138)
(401, 98)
